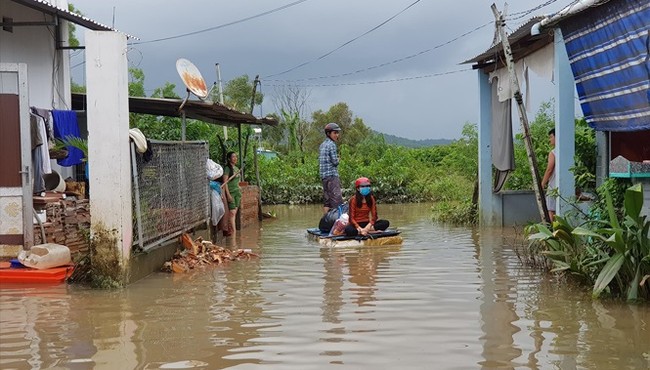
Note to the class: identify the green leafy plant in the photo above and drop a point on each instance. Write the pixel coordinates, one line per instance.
(75, 142)
(567, 250)
(610, 252)
(628, 248)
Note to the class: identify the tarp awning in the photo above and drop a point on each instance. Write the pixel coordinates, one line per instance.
(209, 112)
(608, 48)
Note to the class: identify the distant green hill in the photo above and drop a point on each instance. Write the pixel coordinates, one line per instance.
(396, 140)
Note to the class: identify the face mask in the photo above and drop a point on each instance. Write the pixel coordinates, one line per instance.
(364, 191)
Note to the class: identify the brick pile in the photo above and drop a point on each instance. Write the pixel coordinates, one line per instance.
(249, 205)
(68, 223)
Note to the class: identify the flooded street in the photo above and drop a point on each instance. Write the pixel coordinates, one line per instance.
(448, 298)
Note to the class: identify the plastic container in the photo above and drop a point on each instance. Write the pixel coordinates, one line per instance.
(45, 256)
(42, 217)
(54, 275)
(15, 264)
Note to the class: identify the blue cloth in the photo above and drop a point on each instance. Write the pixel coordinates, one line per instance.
(65, 125)
(608, 48)
(328, 159)
(216, 186)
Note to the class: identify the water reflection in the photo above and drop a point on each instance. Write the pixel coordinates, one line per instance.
(498, 313)
(362, 265)
(448, 298)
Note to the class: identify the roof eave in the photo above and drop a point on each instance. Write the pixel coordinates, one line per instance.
(46, 7)
(208, 112)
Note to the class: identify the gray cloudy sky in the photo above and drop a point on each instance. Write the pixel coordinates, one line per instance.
(419, 108)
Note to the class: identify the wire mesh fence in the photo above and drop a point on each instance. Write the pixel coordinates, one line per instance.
(170, 192)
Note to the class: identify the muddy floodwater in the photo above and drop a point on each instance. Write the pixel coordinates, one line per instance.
(447, 298)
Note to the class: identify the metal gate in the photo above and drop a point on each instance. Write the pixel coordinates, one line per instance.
(170, 191)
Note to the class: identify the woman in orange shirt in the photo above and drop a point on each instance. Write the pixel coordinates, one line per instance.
(363, 211)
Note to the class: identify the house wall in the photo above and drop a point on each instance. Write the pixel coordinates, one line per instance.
(519, 207)
(35, 46)
(48, 69)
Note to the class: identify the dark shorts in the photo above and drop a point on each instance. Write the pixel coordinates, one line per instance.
(332, 192)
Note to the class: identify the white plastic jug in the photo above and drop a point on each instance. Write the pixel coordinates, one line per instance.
(45, 256)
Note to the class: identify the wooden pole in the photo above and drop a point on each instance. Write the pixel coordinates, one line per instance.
(514, 84)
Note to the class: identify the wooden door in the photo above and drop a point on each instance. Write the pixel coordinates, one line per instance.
(16, 208)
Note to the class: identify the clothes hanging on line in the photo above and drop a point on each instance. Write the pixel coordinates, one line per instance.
(40, 152)
(46, 115)
(65, 125)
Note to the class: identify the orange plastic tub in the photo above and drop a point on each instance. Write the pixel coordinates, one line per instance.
(29, 275)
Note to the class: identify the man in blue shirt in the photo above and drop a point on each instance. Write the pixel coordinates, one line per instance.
(328, 160)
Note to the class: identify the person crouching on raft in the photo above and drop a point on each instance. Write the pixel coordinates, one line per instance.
(363, 211)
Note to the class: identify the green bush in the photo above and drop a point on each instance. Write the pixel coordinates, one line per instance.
(610, 251)
(398, 174)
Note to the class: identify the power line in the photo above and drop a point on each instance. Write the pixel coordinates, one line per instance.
(524, 13)
(221, 25)
(393, 61)
(347, 42)
(518, 14)
(377, 81)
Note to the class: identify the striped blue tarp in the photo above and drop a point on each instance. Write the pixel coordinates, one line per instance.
(608, 47)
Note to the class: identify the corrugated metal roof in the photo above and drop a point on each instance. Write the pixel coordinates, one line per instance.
(209, 112)
(521, 39)
(81, 20)
(519, 36)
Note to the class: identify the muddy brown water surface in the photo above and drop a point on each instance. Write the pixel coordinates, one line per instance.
(447, 298)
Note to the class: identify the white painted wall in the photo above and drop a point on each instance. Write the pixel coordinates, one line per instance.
(35, 46)
(48, 69)
(109, 159)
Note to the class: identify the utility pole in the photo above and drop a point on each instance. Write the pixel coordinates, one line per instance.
(255, 83)
(225, 130)
(257, 169)
(514, 84)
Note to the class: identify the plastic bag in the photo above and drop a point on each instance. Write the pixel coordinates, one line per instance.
(328, 220)
(218, 208)
(340, 224)
(45, 256)
(213, 169)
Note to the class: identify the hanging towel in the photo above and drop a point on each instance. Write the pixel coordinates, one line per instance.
(37, 165)
(65, 124)
(44, 150)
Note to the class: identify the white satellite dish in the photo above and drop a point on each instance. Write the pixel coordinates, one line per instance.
(192, 78)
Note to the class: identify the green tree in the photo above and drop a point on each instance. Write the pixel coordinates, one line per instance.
(293, 100)
(238, 92)
(73, 41)
(136, 82)
(354, 129)
(521, 178)
(72, 29)
(275, 137)
(291, 120)
(584, 169)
